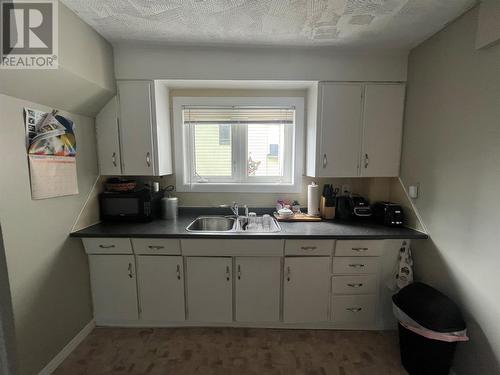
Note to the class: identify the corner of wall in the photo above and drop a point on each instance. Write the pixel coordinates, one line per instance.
(399, 195)
(89, 214)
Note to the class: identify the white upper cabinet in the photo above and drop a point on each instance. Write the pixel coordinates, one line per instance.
(136, 125)
(108, 143)
(382, 130)
(133, 131)
(358, 133)
(340, 118)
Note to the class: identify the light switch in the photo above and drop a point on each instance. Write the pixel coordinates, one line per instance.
(413, 191)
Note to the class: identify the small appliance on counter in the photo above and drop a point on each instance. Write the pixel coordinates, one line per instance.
(352, 207)
(125, 201)
(388, 213)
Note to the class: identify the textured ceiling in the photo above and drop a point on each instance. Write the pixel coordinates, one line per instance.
(353, 23)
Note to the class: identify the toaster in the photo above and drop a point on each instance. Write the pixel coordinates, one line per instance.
(388, 213)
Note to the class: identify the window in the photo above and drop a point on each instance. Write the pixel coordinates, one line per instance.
(238, 144)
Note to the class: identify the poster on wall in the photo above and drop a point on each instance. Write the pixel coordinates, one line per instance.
(51, 147)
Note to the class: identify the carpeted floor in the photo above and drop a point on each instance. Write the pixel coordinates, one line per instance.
(239, 351)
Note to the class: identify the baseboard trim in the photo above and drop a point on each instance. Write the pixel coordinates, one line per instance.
(68, 349)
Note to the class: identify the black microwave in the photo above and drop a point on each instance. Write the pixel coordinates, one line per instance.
(133, 206)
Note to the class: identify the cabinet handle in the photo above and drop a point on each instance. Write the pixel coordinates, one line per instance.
(354, 309)
(367, 161)
(359, 249)
(308, 247)
(239, 272)
(113, 157)
(355, 285)
(325, 160)
(130, 273)
(106, 246)
(178, 272)
(228, 273)
(148, 159)
(288, 273)
(153, 247)
(356, 265)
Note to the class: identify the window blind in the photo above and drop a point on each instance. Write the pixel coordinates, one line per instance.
(241, 115)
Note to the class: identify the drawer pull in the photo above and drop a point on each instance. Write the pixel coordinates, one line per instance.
(178, 272)
(354, 309)
(156, 247)
(355, 285)
(106, 246)
(356, 265)
(359, 249)
(308, 247)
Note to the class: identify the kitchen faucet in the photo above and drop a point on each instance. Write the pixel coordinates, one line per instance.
(235, 208)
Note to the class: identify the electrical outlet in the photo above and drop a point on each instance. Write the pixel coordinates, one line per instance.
(346, 189)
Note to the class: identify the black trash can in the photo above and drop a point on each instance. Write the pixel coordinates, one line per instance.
(430, 325)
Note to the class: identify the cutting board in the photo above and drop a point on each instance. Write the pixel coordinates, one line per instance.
(297, 217)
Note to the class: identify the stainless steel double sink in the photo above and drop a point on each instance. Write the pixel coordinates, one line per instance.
(227, 224)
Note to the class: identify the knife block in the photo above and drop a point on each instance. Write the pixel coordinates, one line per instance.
(326, 212)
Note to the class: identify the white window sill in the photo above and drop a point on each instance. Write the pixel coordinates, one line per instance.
(239, 188)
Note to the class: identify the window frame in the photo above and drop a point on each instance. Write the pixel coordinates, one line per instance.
(184, 154)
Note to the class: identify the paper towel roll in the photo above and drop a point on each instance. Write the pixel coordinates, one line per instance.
(313, 199)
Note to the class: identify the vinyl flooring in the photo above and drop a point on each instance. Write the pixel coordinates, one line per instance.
(238, 351)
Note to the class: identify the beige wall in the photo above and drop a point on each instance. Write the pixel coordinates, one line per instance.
(48, 271)
(372, 188)
(143, 61)
(452, 148)
(85, 79)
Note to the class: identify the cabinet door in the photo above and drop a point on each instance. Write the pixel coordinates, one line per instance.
(114, 289)
(340, 116)
(136, 127)
(108, 143)
(257, 283)
(161, 288)
(209, 289)
(382, 130)
(306, 289)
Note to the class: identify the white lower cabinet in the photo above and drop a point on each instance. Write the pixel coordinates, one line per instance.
(114, 289)
(267, 283)
(161, 288)
(258, 284)
(209, 290)
(306, 289)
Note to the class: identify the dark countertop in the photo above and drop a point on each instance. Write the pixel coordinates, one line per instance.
(321, 230)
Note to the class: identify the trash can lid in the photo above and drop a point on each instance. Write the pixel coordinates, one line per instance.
(430, 308)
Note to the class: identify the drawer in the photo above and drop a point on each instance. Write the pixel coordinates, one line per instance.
(354, 309)
(355, 265)
(356, 284)
(151, 246)
(359, 248)
(107, 245)
(309, 247)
